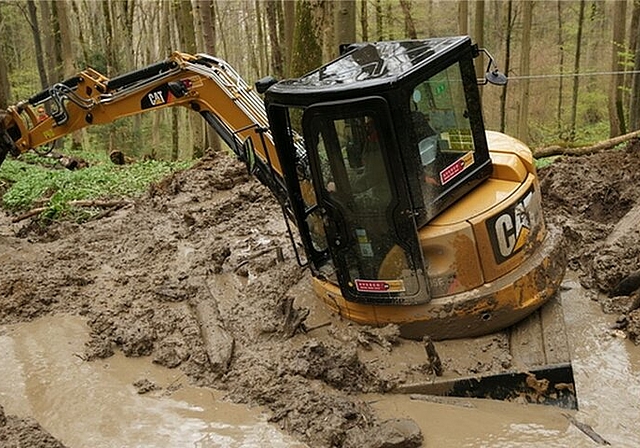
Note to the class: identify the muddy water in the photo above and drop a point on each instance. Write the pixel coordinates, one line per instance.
(95, 403)
(607, 374)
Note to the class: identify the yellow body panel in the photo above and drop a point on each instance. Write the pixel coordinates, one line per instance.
(477, 285)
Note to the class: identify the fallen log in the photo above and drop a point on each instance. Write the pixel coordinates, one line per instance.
(218, 341)
(557, 150)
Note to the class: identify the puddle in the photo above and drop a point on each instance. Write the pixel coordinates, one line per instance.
(607, 375)
(95, 403)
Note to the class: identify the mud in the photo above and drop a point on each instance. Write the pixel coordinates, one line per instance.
(18, 432)
(211, 237)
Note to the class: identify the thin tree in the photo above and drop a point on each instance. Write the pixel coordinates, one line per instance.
(68, 67)
(633, 46)
(616, 106)
(364, 20)
(576, 70)
(463, 17)
(277, 63)
(509, 24)
(409, 23)
(379, 20)
(560, 64)
(37, 42)
(187, 38)
(5, 90)
(207, 25)
(206, 11)
(49, 16)
(634, 117)
(249, 27)
(478, 31)
(324, 18)
(525, 62)
(81, 37)
(263, 59)
(289, 16)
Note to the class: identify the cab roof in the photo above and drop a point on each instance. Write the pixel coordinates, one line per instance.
(370, 65)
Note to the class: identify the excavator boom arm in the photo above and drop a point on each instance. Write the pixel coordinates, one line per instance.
(202, 83)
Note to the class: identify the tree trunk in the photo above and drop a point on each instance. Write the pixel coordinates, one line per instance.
(81, 37)
(277, 63)
(263, 59)
(108, 40)
(289, 28)
(345, 21)
(57, 43)
(5, 91)
(523, 113)
(47, 44)
(616, 107)
(478, 31)
(507, 62)
(37, 41)
(324, 19)
(68, 67)
(379, 21)
(463, 17)
(187, 37)
(110, 63)
(364, 20)
(307, 48)
(248, 31)
(576, 70)
(208, 26)
(561, 65)
(409, 24)
(634, 118)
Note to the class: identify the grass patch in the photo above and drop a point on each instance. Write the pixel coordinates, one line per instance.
(34, 184)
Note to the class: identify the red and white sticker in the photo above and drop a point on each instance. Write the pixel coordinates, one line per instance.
(456, 168)
(380, 285)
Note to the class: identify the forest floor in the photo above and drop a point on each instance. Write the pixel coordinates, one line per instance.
(207, 240)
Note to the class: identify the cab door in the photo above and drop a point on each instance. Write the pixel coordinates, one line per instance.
(362, 192)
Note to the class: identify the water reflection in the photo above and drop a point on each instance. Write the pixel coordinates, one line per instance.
(95, 404)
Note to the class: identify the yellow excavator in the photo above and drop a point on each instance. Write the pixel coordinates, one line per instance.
(407, 210)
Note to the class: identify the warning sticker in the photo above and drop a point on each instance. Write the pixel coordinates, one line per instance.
(380, 285)
(456, 168)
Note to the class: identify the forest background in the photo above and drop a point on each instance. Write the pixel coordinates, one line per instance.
(574, 66)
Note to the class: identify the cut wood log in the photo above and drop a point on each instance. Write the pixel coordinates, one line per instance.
(585, 150)
(219, 343)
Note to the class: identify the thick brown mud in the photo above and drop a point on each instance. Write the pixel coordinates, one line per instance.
(209, 239)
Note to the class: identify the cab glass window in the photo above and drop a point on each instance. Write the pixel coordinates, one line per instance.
(442, 131)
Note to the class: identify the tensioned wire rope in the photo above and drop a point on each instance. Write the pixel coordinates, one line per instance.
(572, 75)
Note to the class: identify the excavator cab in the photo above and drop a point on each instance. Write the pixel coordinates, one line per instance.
(393, 135)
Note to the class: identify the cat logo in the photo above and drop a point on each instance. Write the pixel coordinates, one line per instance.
(510, 230)
(156, 98)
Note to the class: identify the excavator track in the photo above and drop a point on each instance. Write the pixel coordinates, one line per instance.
(540, 369)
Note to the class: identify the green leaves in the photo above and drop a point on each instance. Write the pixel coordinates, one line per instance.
(31, 185)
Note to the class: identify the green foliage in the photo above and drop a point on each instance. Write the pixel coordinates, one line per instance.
(32, 185)
(544, 162)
